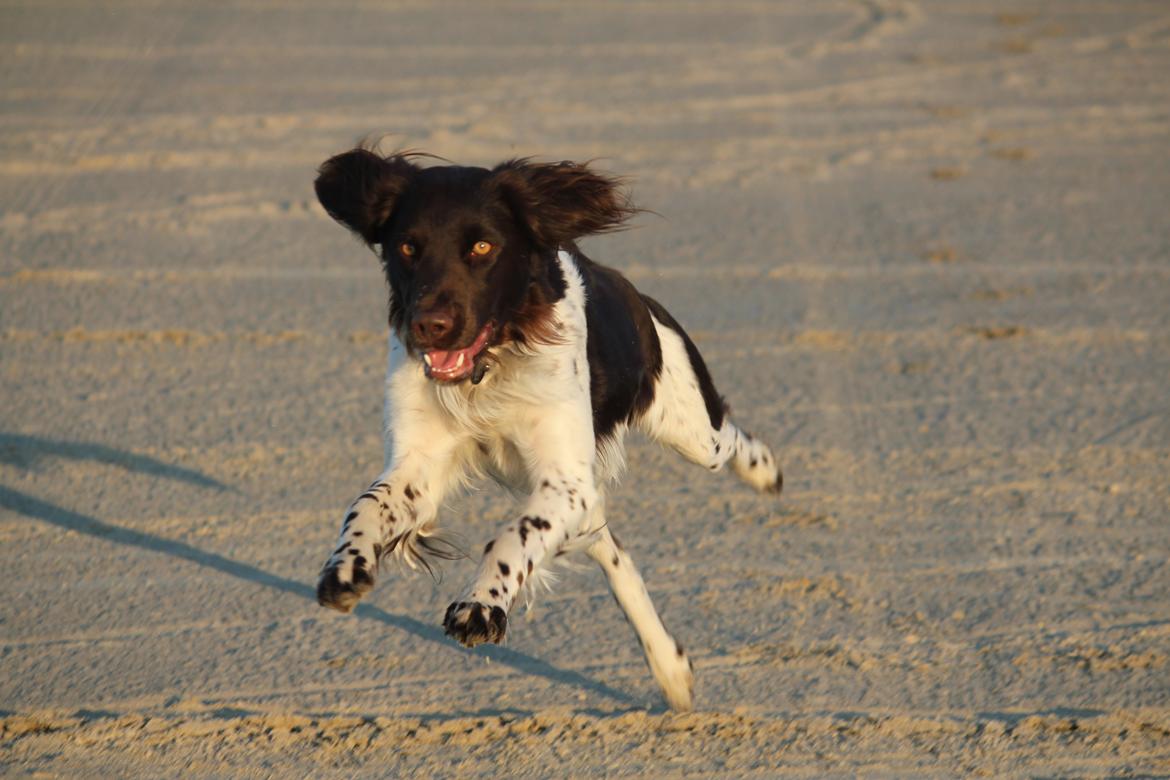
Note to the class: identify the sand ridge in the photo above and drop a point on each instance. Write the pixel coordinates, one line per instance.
(1087, 741)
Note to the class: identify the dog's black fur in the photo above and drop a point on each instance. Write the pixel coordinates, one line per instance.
(527, 211)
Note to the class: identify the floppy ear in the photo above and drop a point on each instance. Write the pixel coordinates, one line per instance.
(359, 189)
(562, 201)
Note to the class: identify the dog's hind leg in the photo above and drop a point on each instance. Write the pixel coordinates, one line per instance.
(664, 655)
(688, 415)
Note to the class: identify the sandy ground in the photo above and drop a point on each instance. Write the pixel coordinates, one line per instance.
(924, 246)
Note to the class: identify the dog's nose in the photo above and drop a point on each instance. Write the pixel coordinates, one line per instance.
(431, 327)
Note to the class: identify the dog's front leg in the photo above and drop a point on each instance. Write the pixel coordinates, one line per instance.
(558, 448)
(401, 504)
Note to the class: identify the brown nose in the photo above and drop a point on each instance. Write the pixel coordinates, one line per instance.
(431, 327)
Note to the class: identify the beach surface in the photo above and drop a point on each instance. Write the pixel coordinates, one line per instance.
(924, 247)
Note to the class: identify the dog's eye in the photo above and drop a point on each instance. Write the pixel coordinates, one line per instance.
(407, 249)
(481, 248)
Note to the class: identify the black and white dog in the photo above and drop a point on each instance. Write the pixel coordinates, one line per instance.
(513, 355)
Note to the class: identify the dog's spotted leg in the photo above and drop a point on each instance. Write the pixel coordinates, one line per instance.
(664, 654)
(688, 415)
(550, 521)
(397, 505)
(400, 507)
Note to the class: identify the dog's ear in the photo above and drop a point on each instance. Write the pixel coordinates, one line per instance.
(360, 188)
(563, 201)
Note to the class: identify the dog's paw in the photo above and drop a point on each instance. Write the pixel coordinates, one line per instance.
(470, 623)
(756, 465)
(344, 581)
(778, 484)
(675, 675)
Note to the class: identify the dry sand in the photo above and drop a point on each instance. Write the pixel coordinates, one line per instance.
(924, 246)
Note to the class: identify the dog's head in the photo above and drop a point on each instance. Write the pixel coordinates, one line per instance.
(469, 252)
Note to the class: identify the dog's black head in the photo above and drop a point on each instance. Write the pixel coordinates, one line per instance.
(469, 252)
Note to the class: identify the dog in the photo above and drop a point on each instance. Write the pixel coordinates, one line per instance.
(514, 356)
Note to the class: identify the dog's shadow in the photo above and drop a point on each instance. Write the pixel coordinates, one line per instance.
(23, 451)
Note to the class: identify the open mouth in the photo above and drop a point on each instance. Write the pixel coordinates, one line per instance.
(452, 365)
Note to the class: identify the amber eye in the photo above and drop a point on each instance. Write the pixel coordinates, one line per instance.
(407, 249)
(481, 248)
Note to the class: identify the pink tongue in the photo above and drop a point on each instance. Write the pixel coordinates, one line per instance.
(446, 361)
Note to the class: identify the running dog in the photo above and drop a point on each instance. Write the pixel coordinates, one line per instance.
(514, 356)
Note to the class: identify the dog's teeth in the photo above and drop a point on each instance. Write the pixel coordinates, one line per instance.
(427, 358)
(459, 362)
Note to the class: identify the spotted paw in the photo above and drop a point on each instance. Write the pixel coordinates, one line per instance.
(344, 581)
(756, 465)
(470, 623)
